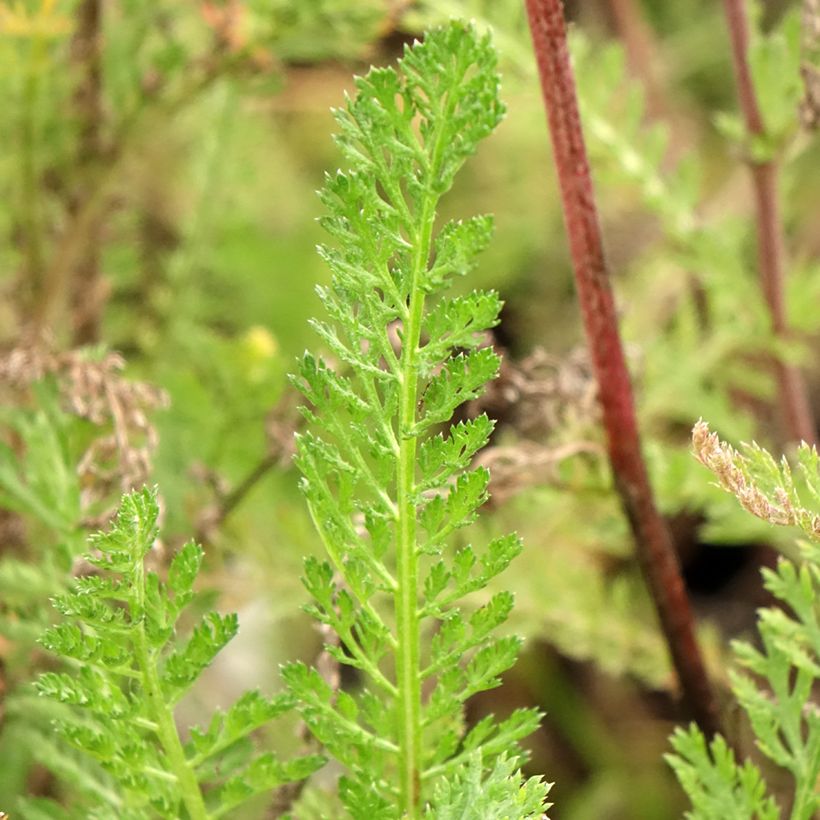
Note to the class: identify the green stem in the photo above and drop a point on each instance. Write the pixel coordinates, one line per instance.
(163, 715)
(29, 165)
(804, 801)
(407, 623)
(408, 654)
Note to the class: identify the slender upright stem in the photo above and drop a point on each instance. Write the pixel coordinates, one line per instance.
(87, 290)
(793, 395)
(72, 244)
(408, 653)
(804, 801)
(408, 678)
(653, 543)
(30, 166)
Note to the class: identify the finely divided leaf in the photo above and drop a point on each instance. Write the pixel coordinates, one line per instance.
(121, 630)
(385, 486)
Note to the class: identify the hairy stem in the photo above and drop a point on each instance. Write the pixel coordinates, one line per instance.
(408, 656)
(653, 543)
(406, 596)
(163, 715)
(795, 406)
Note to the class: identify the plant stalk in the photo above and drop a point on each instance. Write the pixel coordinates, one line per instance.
(795, 406)
(87, 288)
(406, 597)
(407, 626)
(408, 653)
(30, 166)
(653, 543)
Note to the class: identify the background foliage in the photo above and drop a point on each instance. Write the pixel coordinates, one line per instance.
(158, 182)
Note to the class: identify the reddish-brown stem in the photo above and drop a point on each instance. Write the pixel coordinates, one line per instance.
(795, 406)
(653, 542)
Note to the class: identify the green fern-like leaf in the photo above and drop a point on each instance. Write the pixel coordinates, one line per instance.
(785, 720)
(783, 715)
(118, 635)
(386, 487)
(499, 795)
(714, 782)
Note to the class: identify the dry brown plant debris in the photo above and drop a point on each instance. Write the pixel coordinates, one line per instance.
(550, 402)
(93, 388)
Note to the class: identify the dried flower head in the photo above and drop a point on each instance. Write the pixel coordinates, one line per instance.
(761, 485)
(91, 387)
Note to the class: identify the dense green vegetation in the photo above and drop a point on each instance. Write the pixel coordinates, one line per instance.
(159, 272)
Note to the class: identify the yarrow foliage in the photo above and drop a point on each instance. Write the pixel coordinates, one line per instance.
(118, 635)
(387, 487)
(763, 487)
(783, 716)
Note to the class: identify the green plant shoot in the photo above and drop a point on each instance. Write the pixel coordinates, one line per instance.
(118, 633)
(386, 486)
(784, 718)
